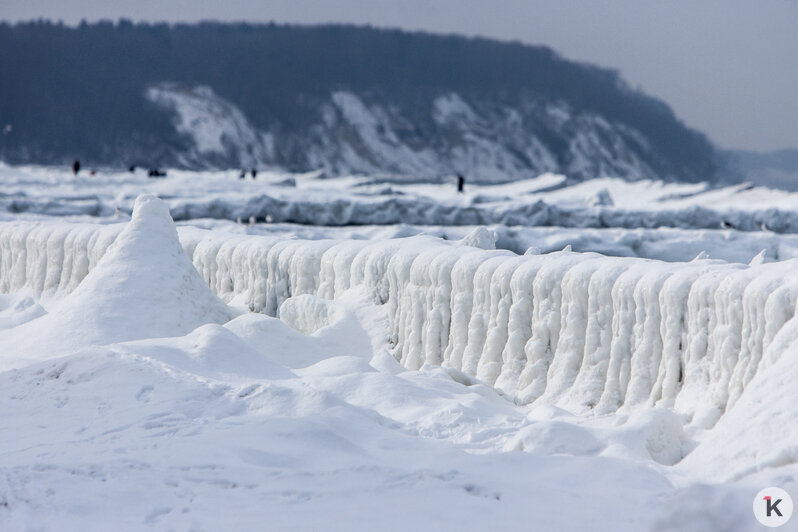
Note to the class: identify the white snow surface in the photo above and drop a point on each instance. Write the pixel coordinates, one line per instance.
(442, 364)
(649, 219)
(148, 383)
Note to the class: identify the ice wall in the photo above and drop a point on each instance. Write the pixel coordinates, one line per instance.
(50, 259)
(579, 330)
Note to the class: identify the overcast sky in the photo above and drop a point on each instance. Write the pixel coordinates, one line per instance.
(728, 68)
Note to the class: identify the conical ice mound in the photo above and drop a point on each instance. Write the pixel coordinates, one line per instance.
(144, 287)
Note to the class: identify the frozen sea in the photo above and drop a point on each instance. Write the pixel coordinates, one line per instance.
(296, 352)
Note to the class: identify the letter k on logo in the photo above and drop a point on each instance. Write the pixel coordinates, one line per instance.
(773, 507)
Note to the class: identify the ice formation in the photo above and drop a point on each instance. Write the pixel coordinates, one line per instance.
(117, 344)
(577, 330)
(547, 200)
(119, 264)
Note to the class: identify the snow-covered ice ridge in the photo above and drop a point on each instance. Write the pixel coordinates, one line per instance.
(547, 200)
(583, 331)
(397, 210)
(579, 330)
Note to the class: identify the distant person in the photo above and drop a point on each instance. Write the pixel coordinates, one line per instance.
(242, 174)
(76, 167)
(460, 183)
(132, 168)
(254, 173)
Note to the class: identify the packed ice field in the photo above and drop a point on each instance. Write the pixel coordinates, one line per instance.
(440, 366)
(665, 221)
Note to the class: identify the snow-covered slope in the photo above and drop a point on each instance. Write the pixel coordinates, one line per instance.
(334, 98)
(219, 131)
(488, 143)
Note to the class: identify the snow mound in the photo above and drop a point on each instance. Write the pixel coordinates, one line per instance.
(307, 314)
(555, 437)
(143, 287)
(18, 309)
(284, 345)
(211, 351)
(480, 237)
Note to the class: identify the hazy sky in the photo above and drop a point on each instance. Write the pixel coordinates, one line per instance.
(728, 68)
